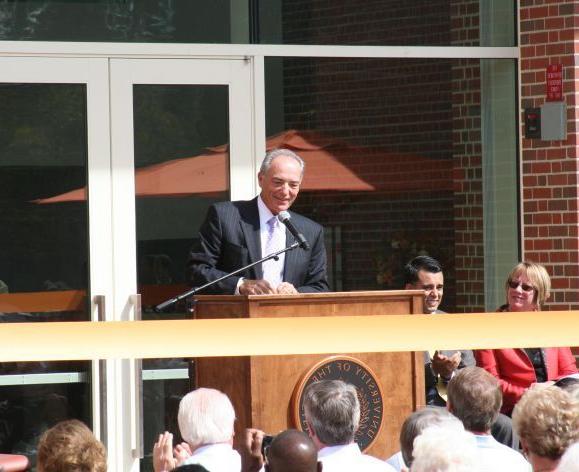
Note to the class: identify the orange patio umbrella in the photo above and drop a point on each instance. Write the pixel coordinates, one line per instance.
(331, 165)
(207, 173)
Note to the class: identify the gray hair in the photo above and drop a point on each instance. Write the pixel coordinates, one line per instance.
(417, 422)
(206, 416)
(332, 411)
(271, 155)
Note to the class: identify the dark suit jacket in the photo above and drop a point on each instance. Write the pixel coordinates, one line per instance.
(229, 239)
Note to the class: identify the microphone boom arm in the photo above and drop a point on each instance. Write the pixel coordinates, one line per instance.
(274, 255)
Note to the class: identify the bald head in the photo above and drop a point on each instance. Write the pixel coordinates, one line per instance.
(292, 451)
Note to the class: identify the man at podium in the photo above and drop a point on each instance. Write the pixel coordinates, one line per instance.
(235, 234)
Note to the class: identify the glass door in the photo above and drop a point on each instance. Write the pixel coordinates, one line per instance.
(182, 138)
(54, 265)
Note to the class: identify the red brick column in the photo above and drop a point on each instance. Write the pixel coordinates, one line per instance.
(549, 168)
(467, 161)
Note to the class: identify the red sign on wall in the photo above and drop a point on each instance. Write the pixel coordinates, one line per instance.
(555, 83)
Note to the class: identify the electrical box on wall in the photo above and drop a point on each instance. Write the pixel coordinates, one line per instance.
(554, 121)
(532, 123)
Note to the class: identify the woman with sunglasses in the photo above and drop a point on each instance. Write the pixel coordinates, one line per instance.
(527, 288)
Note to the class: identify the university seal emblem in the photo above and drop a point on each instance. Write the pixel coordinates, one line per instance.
(352, 371)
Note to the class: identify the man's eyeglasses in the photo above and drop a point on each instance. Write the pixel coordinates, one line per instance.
(526, 288)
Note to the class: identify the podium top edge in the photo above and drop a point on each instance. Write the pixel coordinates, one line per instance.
(313, 296)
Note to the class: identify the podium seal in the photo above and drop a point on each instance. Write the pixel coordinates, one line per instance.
(352, 371)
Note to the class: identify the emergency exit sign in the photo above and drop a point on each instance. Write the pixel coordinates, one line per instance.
(555, 83)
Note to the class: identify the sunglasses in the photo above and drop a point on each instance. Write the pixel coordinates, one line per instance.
(526, 288)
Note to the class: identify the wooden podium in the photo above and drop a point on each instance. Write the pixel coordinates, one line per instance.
(261, 387)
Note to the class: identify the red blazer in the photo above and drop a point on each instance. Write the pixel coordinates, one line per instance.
(515, 371)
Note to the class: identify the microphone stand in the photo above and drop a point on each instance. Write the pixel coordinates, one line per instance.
(274, 255)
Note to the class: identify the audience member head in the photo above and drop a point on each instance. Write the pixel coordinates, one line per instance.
(573, 390)
(528, 286)
(190, 468)
(420, 420)
(570, 385)
(425, 273)
(570, 460)
(292, 451)
(206, 416)
(547, 421)
(70, 446)
(444, 449)
(475, 398)
(332, 412)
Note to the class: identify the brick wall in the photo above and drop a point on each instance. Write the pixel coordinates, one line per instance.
(549, 168)
(366, 22)
(467, 162)
(403, 106)
(381, 230)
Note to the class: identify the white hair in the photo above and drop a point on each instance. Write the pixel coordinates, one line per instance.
(570, 460)
(420, 420)
(445, 449)
(206, 416)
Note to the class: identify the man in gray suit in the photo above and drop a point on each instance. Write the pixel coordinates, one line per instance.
(235, 234)
(425, 273)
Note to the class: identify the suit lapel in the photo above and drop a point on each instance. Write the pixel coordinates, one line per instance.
(291, 259)
(250, 228)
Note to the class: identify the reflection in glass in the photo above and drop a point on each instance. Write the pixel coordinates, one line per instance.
(160, 21)
(181, 167)
(410, 130)
(43, 152)
(388, 23)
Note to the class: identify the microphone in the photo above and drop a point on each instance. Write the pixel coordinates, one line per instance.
(284, 217)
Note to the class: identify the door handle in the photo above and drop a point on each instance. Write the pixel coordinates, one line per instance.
(136, 389)
(101, 376)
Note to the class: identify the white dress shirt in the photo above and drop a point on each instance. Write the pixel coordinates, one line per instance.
(349, 458)
(397, 461)
(216, 458)
(496, 457)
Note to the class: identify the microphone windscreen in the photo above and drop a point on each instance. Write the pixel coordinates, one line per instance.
(283, 216)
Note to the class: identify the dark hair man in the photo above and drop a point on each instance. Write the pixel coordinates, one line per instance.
(234, 234)
(475, 398)
(290, 451)
(425, 273)
(332, 413)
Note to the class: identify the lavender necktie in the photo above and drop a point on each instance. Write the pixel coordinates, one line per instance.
(273, 270)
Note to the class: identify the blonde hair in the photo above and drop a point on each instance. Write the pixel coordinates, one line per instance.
(539, 278)
(70, 446)
(547, 421)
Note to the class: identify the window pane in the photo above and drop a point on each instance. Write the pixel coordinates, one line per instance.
(44, 257)
(160, 21)
(408, 139)
(388, 22)
(181, 167)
